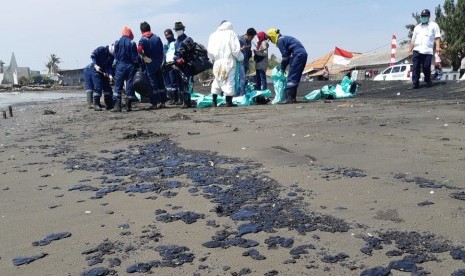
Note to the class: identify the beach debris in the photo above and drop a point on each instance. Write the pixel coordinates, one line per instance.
(49, 112)
(140, 134)
(139, 267)
(376, 271)
(240, 191)
(300, 250)
(87, 212)
(425, 203)
(403, 265)
(459, 272)
(421, 182)
(26, 260)
(458, 195)
(193, 133)
(458, 254)
(187, 217)
(174, 255)
(98, 271)
(334, 259)
(114, 262)
(52, 237)
(254, 254)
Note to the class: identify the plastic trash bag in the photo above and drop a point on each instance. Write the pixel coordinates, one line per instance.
(315, 95)
(252, 97)
(141, 84)
(279, 81)
(327, 92)
(204, 101)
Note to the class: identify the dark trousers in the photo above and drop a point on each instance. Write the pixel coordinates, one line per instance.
(421, 61)
(261, 80)
(462, 71)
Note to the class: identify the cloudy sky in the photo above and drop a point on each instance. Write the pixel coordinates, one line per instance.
(72, 29)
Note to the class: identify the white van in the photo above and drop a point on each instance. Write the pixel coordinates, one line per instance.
(395, 72)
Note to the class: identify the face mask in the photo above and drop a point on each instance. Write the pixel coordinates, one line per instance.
(424, 20)
(179, 33)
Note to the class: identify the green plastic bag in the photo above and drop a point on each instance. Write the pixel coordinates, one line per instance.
(279, 81)
(315, 95)
(249, 97)
(327, 92)
(204, 101)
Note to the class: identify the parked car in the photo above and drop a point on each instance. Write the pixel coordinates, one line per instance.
(396, 72)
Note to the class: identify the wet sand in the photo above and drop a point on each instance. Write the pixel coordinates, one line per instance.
(334, 188)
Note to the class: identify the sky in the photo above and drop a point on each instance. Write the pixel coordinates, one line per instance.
(72, 29)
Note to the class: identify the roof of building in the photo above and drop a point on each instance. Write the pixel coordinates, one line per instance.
(380, 58)
(326, 60)
(370, 59)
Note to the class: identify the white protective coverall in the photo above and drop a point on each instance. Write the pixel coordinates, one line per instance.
(225, 52)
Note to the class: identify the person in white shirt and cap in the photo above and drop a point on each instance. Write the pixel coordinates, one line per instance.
(425, 36)
(224, 51)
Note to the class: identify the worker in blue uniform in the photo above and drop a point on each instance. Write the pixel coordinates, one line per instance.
(127, 61)
(151, 49)
(101, 72)
(293, 54)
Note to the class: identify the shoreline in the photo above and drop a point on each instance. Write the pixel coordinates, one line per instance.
(365, 162)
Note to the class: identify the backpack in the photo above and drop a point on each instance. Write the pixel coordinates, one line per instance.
(196, 59)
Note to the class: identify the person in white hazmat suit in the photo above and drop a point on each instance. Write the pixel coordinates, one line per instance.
(224, 51)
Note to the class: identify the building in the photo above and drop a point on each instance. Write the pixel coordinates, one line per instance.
(367, 62)
(72, 77)
(12, 73)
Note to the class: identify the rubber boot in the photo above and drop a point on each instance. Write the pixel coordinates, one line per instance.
(180, 98)
(186, 101)
(89, 99)
(288, 94)
(97, 106)
(117, 107)
(108, 102)
(128, 105)
(229, 102)
(171, 96)
(162, 98)
(215, 100)
(293, 95)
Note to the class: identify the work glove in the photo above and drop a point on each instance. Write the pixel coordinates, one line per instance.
(97, 68)
(147, 59)
(180, 61)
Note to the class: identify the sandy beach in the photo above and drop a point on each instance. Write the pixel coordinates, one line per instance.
(365, 186)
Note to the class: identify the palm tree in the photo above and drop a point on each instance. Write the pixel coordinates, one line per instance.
(52, 64)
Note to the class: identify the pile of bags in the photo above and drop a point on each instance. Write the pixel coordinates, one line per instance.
(347, 89)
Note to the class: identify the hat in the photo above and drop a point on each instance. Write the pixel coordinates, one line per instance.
(178, 26)
(425, 13)
(251, 32)
(273, 35)
(126, 31)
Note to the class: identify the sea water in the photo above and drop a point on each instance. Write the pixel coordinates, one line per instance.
(21, 98)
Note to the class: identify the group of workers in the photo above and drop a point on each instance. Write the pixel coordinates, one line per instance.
(162, 65)
(230, 55)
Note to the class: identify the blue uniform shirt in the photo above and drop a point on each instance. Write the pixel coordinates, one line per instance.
(289, 46)
(126, 51)
(102, 57)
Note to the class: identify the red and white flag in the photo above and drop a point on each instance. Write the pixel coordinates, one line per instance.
(342, 57)
(393, 49)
